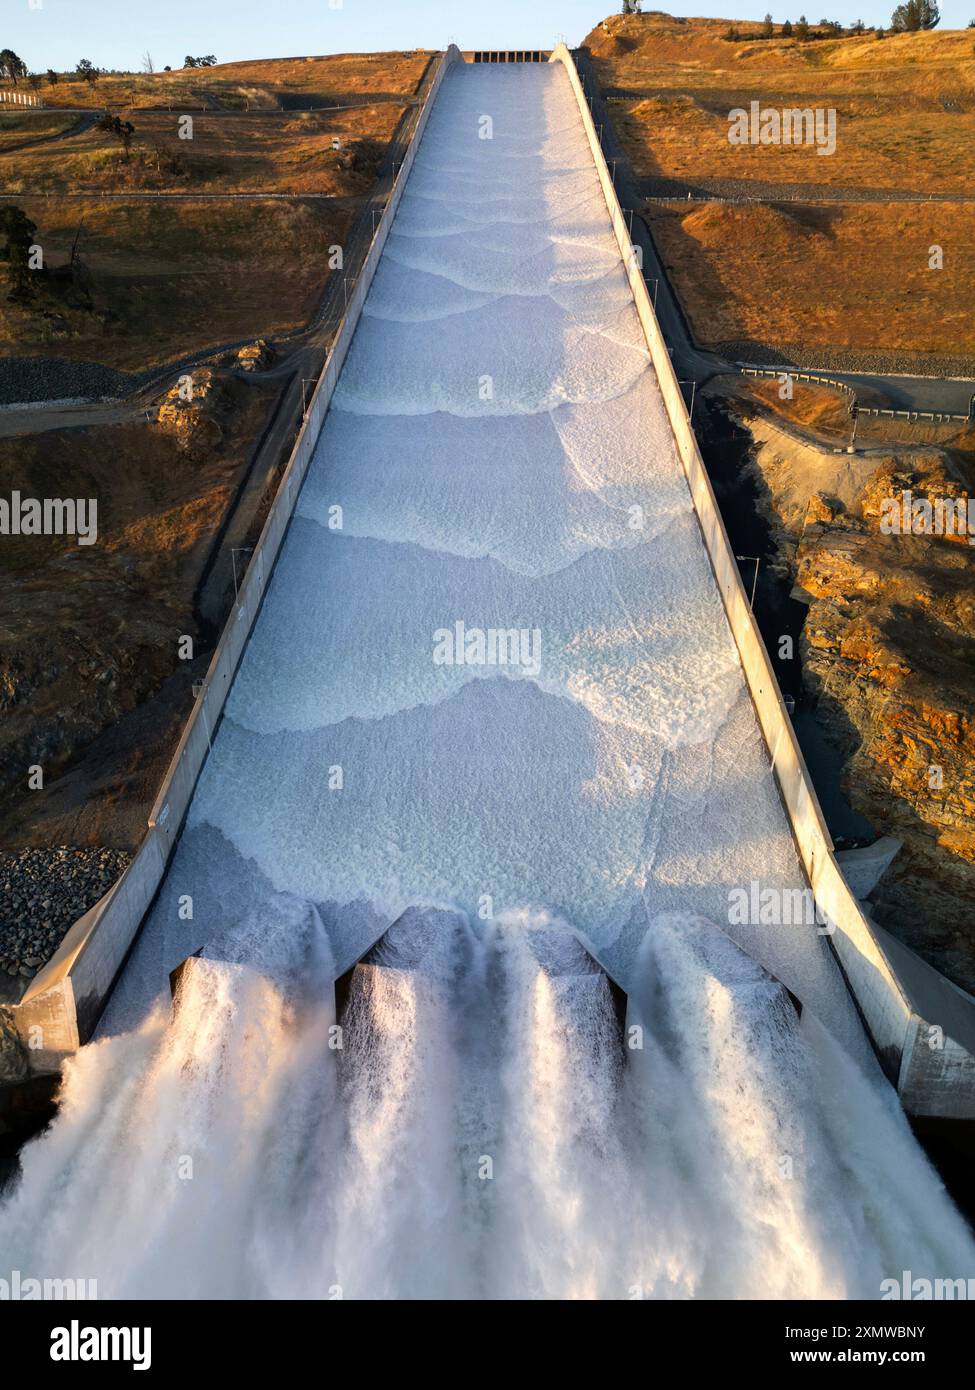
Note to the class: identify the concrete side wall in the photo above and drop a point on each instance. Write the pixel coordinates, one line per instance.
(65, 999)
(935, 1075)
(880, 993)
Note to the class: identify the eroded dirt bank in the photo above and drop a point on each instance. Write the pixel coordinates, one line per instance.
(886, 652)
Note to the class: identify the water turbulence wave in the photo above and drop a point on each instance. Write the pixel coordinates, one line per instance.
(491, 702)
(482, 1125)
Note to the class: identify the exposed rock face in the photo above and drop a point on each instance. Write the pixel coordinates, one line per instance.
(191, 411)
(254, 356)
(13, 1056)
(888, 653)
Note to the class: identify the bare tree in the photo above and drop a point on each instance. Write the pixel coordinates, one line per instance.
(147, 63)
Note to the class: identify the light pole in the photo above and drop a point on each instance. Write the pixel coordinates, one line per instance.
(757, 561)
(239, 550)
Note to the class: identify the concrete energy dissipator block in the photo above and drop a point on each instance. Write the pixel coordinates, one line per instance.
(864, 868)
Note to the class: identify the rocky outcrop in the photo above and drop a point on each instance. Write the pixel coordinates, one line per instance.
(14, 1065)
(191, 411)
(254, 356)
(888, 655)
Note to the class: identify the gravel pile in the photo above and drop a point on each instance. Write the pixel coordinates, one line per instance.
(24, 380)
(42, 893)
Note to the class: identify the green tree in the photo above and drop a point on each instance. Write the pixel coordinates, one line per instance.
(802, 28)
(787, 29)
(914, 15)
(88, 71)
(768, 28)
(11, 65)
(53, 78)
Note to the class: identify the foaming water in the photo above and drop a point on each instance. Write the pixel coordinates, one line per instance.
(486, 1128)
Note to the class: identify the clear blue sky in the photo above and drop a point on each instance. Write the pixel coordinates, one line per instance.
(115, 33)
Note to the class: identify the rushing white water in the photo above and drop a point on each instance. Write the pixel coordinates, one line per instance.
(480, 1133)
(497, 455)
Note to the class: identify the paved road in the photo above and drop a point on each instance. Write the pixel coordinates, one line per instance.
(85, 122)
(952, 394)
(55, 415)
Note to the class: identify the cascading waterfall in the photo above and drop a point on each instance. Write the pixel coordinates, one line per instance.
(479, 1123)
(487, 1129)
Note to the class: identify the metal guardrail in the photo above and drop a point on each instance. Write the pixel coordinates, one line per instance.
(937, 417)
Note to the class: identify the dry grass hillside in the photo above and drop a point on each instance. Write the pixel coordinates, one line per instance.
(248, 152)
(169, 278)
(792, 268)
(16, 127)
(160, 279)
(89, 633)
(271, 84)
(848, 276)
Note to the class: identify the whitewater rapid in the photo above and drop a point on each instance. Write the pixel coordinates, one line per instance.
(497, 455)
